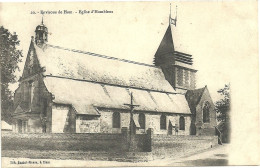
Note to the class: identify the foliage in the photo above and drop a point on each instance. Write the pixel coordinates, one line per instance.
(10, 57)
(223, 105)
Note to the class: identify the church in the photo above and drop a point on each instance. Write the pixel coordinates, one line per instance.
(65, 90)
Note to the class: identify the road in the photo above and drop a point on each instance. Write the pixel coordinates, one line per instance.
(213, 157)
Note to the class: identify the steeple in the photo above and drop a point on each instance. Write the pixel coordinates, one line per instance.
(165, 52)
(176, 66)
(41, 34)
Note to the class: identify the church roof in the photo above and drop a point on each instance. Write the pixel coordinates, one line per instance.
(193, 96)
(166, 45)
(93, 67)
(86, 97)
(166, 54)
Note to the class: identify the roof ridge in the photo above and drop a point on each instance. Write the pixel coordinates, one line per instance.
(101, 56)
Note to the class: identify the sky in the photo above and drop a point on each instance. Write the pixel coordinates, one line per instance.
(214, 33)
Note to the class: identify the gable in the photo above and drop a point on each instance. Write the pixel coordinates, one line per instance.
(18, 109)
(193, 97)
(206, 97)
(31, 65)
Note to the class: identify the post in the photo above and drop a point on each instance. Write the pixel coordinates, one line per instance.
(125, 134)
(149, 140)
(131, 124)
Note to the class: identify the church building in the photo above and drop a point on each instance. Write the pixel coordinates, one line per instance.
(64, 90)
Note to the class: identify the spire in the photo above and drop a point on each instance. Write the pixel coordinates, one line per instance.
(171, 20)
(42, 19)
(165, 50)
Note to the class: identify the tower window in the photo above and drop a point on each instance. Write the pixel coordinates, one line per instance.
(163, 122)
(116, 120)
(180, 77)
(206, 112)
(142, 121)
(182, 123)
(187, 80)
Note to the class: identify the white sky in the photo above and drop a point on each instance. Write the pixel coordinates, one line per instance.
(215, 33)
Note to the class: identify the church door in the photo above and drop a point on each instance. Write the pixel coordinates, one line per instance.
(170, 128)
(20, 125)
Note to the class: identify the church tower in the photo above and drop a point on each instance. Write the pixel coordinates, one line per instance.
(41, 34)
(176, 66)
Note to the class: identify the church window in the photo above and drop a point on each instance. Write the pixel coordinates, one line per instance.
(206, 112)
(142, 121)
(116, 120)
(163, 122)
(182, 123)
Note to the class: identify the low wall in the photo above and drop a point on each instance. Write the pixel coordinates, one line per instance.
(175, 146)
(66, 142)
(160, 146)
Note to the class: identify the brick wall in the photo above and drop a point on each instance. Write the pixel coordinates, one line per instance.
(159, 145)
(175, 146)
(64, 142)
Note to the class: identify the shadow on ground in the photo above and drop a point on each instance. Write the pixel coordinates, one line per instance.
(205, 162)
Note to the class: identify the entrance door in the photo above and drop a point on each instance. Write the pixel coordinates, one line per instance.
(170, 128)
(20, 126)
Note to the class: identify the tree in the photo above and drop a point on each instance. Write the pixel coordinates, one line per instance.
(10, 57)
(223, 109)
(223, 105)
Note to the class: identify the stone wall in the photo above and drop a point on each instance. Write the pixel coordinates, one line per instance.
(64, 142)
(33, 104)
(87, 124)
(205, 128)
(59, 117)
(152, 120)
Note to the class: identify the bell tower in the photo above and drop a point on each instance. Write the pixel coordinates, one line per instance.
(176, 66)
(41, 34)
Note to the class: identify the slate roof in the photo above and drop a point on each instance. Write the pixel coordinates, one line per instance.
(166, 44)
(84, 96)
(166, 54)
(99, 68)
(87, 80)
(193, 96)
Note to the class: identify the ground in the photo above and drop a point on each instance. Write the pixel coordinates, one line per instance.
(217, 156)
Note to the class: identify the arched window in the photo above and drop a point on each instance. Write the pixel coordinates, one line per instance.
(163, 122)
(206, 112)
(116, 120)
(182, 123)
(141, 120)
